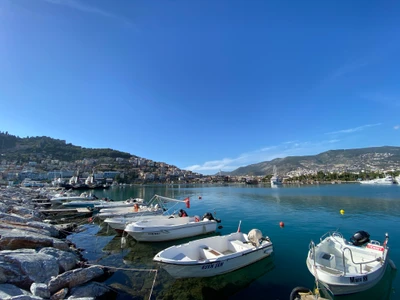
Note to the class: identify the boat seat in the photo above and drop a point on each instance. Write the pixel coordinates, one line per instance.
(238, 246)
(210, 252)
(327, 259)
(181, 256)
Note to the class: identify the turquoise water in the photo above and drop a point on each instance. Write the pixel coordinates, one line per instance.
(307, 212)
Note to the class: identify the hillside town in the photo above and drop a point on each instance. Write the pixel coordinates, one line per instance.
(134, 170)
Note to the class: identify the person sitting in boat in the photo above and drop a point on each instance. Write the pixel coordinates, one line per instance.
(182, 213)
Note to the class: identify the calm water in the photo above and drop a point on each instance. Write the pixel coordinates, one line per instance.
(307, 212)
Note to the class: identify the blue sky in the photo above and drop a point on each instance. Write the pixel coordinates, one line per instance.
(205, 85)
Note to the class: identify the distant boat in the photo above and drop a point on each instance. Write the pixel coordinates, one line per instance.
(275, 179)
(388, 180)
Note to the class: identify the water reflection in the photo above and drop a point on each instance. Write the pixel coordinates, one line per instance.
(217, 287)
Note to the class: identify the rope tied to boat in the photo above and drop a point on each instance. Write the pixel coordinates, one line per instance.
(316, 290)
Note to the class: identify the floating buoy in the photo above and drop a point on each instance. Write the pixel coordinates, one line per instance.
(281, 224)
(342, 212)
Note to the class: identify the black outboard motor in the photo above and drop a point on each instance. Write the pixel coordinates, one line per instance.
(182, 213)
(209, 216)
(360, 238)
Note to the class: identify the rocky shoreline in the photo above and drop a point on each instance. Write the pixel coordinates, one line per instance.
(36, 261)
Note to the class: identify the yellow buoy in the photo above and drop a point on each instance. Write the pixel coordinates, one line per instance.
(342, 212)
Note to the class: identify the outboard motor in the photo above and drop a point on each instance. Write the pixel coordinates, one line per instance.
(360, 238)
(182, 213)
(209, 216)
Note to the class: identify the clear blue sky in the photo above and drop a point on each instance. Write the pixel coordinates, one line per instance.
(205, 85)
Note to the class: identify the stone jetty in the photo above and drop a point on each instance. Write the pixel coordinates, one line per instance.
(36, 261)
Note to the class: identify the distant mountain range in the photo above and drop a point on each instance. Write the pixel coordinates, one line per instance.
(350, 160)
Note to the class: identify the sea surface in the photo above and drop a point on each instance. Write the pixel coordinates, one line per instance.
(307, 211)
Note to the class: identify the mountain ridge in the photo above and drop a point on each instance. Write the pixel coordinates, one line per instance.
(339, 160)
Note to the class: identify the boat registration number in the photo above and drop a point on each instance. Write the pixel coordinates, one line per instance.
(359, 279)
(213, 265)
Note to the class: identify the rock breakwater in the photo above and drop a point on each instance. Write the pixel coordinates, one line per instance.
(36, 261)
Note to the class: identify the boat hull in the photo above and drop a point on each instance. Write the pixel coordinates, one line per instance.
(169, 233)
(217, 267)
(212, 256)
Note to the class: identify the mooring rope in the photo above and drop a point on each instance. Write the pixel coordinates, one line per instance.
(132, 269)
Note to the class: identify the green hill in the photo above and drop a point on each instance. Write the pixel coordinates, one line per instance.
(33, 148)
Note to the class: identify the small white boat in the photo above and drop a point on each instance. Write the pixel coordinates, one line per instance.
(157, 205)
(215, 255)
(348, 267)
(276, 180)
(83, 203)
(83, 196)
(126, 203)
(130, 211)
(167, 229)
(119, 223)
(387, 180)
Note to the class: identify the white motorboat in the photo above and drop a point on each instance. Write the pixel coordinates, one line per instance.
(167, 229)
(83, 196)
(214, 255)
(83, 203)
(111, 204)
(348, 267)
(387, 180)
(157, 205)
(119, 223)
(130, 211)
(276, 180)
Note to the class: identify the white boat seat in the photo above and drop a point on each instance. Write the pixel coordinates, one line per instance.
(210, 252)
(328, 260)
(182, 257)
(238, 246)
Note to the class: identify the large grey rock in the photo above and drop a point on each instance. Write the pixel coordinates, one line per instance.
(66, 260)
(46, 227)
(6, 217)
(9, 290)
(23, 211)
(21, 267)
(18, 239)
(3, 208)
(75, 277)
